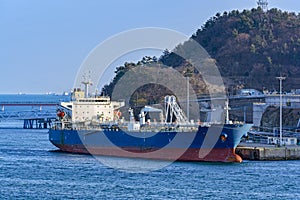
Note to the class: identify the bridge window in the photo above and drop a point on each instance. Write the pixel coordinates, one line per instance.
(292, 141)
(103, 101)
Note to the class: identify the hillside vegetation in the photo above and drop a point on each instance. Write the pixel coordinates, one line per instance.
(250, 48)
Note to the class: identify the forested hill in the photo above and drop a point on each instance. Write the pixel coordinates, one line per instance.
(252, 47)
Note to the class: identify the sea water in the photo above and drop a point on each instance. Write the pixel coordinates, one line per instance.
(30, 168)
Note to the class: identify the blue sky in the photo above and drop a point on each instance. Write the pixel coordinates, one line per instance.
(44, 42)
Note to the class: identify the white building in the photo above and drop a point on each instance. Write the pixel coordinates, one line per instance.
(249, 92)
(288, 101)
(285, 140)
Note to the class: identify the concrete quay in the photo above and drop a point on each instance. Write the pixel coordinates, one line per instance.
(255, 151)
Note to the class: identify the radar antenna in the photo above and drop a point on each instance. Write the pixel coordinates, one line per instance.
(263, 4)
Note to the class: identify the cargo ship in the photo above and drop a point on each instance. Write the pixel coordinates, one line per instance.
(94, 125)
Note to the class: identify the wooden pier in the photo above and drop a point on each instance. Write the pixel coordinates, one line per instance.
(268, 152)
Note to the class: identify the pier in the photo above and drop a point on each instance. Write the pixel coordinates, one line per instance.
(33, 114)
(32, 119)
(267, 152)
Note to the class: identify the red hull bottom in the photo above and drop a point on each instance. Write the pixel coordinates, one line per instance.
(190, 155)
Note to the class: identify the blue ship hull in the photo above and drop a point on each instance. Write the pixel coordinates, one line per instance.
(214, 143)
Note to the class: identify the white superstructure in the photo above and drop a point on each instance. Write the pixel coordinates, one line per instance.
(98, 108)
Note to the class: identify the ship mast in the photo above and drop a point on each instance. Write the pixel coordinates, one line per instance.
(227, 108)
(86, 84)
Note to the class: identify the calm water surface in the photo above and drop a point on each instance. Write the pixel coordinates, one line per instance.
(30, 170)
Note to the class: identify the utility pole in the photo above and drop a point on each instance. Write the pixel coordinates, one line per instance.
(188, 98)
(187, 75)
(280, 78)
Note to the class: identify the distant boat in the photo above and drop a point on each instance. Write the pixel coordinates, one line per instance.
(50, 93)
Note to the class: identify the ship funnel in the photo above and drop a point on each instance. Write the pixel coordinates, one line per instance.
(86, 88)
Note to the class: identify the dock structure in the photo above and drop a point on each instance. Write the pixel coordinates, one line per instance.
(32, 113)
(268, 152)
(38, 123)
(33, 119)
